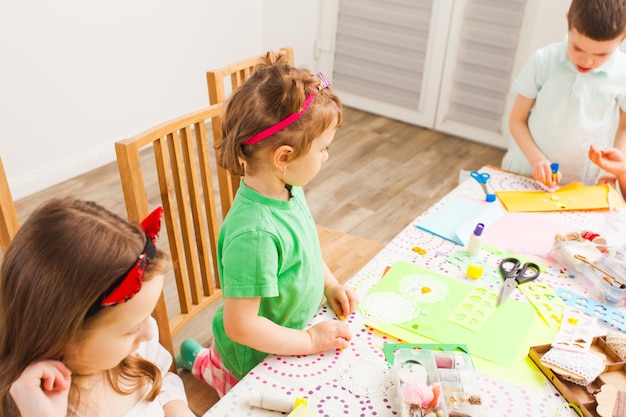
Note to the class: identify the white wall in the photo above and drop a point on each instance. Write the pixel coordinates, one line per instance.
(76, 76)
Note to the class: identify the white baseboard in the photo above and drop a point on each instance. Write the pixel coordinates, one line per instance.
(60, 170)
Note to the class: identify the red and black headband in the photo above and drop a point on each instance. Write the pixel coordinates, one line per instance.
(129, 284)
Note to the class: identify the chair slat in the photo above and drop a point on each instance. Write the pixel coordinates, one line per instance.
(210, 281)
(198, 227)
(185, 283)
(8, 215)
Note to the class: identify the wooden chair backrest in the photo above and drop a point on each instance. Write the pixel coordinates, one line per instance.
(231, 76)
(8, 215)
(179, 178)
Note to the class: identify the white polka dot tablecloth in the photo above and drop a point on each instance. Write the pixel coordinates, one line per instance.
(357, 382)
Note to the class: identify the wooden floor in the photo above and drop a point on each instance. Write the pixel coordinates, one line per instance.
(381, 174)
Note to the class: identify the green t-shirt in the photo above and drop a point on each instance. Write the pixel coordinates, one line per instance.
(268, 248)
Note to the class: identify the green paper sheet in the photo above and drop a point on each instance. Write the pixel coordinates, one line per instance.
(501, 338)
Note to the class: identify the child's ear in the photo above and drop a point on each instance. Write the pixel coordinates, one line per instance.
(282, 156)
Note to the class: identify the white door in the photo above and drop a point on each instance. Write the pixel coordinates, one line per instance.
(475, 88)
(387, 56)
(443, 64)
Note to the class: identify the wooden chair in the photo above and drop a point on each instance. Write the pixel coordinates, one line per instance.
(8, 215)
(178, 175)
(221, 82)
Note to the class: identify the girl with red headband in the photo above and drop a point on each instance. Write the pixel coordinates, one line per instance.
(77, 287)
(277, 128)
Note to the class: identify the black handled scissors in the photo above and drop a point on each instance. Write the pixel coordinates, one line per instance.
(515, 273)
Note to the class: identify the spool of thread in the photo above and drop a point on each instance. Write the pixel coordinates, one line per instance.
(444, 360)
(594, 238)
(275, 401)
(474, 271)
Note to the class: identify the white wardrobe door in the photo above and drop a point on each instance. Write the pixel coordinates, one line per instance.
(384, 52)
(482, 49)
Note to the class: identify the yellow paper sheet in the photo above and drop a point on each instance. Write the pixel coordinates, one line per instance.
(571, 197)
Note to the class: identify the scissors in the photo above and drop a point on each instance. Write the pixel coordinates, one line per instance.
(482, 178)
(514, 273)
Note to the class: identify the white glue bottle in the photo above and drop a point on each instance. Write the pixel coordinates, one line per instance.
(476, 240)
(275, 401)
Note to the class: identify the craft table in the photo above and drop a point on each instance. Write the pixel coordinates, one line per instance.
(357, 382)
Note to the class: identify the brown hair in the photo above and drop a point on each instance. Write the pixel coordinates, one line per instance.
(600, 20)
(62, 259)
(274, 91)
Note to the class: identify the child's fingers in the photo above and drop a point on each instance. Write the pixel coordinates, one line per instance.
(347, 301)
(55, 375)
(353, 300)
(343, 332)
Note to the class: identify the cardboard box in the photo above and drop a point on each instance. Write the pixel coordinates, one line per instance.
(614, 374)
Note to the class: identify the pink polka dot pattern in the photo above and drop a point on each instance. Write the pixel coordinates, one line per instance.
(317, 378)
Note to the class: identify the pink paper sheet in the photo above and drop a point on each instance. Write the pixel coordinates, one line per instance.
(528, 234)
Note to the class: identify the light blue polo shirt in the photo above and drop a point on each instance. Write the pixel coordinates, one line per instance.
(571, 111)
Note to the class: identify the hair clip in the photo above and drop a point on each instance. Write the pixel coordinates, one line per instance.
(130, 283)
(324, 83)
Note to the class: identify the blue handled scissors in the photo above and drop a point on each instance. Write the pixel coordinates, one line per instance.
(482, 178)
(515, 273)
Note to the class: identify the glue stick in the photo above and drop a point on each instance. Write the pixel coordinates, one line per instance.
(475, 240)
(275, 401)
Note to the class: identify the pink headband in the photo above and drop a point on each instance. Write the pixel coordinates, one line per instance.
(264, 134)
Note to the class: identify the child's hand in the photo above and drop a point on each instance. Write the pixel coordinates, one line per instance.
(42, 390)
(342, 299)
(608, 179)
(330, 334)
(542, 172)
(612, 160)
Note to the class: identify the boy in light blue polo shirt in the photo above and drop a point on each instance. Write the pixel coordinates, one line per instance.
(571, 95)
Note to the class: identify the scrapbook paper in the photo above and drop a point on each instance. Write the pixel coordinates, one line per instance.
(571, 197)
(455, 219)
(530, 234)
(498, 338)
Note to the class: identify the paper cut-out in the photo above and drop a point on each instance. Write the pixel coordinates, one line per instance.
(549, 306)
(571, 197)
(614, 317)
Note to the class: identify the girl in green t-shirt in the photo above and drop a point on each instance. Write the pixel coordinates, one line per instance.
(277, 128)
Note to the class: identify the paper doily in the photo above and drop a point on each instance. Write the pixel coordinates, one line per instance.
(365, 375)
(423, 288)
(388, 308)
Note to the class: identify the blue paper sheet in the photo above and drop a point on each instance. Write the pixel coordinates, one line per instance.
(455, 219)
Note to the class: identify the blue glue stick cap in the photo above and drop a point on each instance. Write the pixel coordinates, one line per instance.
(554, 166)
(490, 198)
